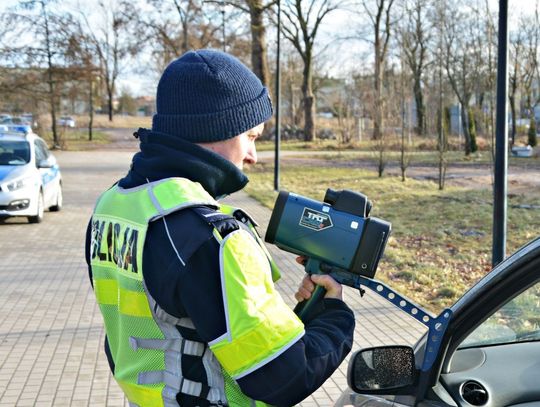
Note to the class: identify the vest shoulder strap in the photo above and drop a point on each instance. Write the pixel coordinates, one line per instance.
(238, 214)
(222, 222)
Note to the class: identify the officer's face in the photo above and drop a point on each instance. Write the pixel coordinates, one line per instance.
(239, 149)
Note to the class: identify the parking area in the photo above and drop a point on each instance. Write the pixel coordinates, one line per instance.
(51, 333)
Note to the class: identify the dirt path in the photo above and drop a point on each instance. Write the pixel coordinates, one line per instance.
(521, 181)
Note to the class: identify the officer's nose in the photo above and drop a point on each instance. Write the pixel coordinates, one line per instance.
(251, 156)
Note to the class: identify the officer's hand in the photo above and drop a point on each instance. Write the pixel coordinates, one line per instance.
(332, 287)
(305, 290)
(301, 260)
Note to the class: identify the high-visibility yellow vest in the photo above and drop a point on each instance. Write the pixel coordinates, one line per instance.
(143, 340)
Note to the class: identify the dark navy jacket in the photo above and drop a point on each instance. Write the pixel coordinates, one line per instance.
(195, 291)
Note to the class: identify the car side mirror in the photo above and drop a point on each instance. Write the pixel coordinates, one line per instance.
(46, 163)
(382, 370)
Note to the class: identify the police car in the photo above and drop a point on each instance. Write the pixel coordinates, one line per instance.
(30, 179)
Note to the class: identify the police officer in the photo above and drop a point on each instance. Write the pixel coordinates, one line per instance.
(184, 283)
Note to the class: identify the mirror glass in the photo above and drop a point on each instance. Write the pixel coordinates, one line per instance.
(383, 368)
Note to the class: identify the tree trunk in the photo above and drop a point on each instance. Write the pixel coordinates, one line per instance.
(377, 114)
(259, 60)
(309, 118)
(91, 110)
(513, 110)
(309, 103)
(110, 103)
(402, 166)
(50, 80)
(442, 142)
(52, 102)
(292, 102)
(420, 108)
(185, 37)
(465, 127)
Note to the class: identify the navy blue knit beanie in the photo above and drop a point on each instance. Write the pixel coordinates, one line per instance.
(208, 95)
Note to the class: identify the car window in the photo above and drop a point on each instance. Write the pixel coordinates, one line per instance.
(517, 321)
(44, 149)
(40, 154)
(14, 152)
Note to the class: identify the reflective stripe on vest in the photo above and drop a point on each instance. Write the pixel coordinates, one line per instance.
(260, 326)
(250, 224)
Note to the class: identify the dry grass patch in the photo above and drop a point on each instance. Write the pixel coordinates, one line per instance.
(441, 241)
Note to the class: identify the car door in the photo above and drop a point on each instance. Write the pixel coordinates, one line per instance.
(498, 364)
(48, 169)
(490, 353)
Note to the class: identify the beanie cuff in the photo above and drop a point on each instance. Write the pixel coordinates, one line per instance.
(216, 126)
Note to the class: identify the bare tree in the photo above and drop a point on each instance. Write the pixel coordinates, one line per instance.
(113, 43)
(186, 11)
(303, 20)
(442, 123)
(291, 79)
(515, 75)
(528, 25)
(50, 76)
(491, 74)
(42, 60)
(413, 37)
(174, 27)
(81, 55)
(177, 26)
(259, 58)
(405, 156)
(342, 103)
(463, 59)
(379, 13)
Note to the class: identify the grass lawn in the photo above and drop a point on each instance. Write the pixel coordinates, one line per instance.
(441, 240)
(77, 139)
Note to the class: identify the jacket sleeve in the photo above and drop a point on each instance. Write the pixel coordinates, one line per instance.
(309, 362)
(195, 289)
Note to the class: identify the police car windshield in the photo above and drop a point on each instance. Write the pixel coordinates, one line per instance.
(14, 152)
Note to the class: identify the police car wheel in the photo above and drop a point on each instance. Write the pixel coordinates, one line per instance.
(39, 216)
(59, 200)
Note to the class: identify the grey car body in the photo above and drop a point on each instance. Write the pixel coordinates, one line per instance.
(489, 354)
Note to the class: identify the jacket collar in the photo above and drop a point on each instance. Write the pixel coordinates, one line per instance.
(164, 156)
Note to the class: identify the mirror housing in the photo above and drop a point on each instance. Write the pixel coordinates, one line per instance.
(389, 370)
(46, 163)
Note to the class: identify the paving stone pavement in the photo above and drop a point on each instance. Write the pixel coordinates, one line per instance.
(51, 331)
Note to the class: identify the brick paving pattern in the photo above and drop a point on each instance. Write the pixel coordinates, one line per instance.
(51, 331)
